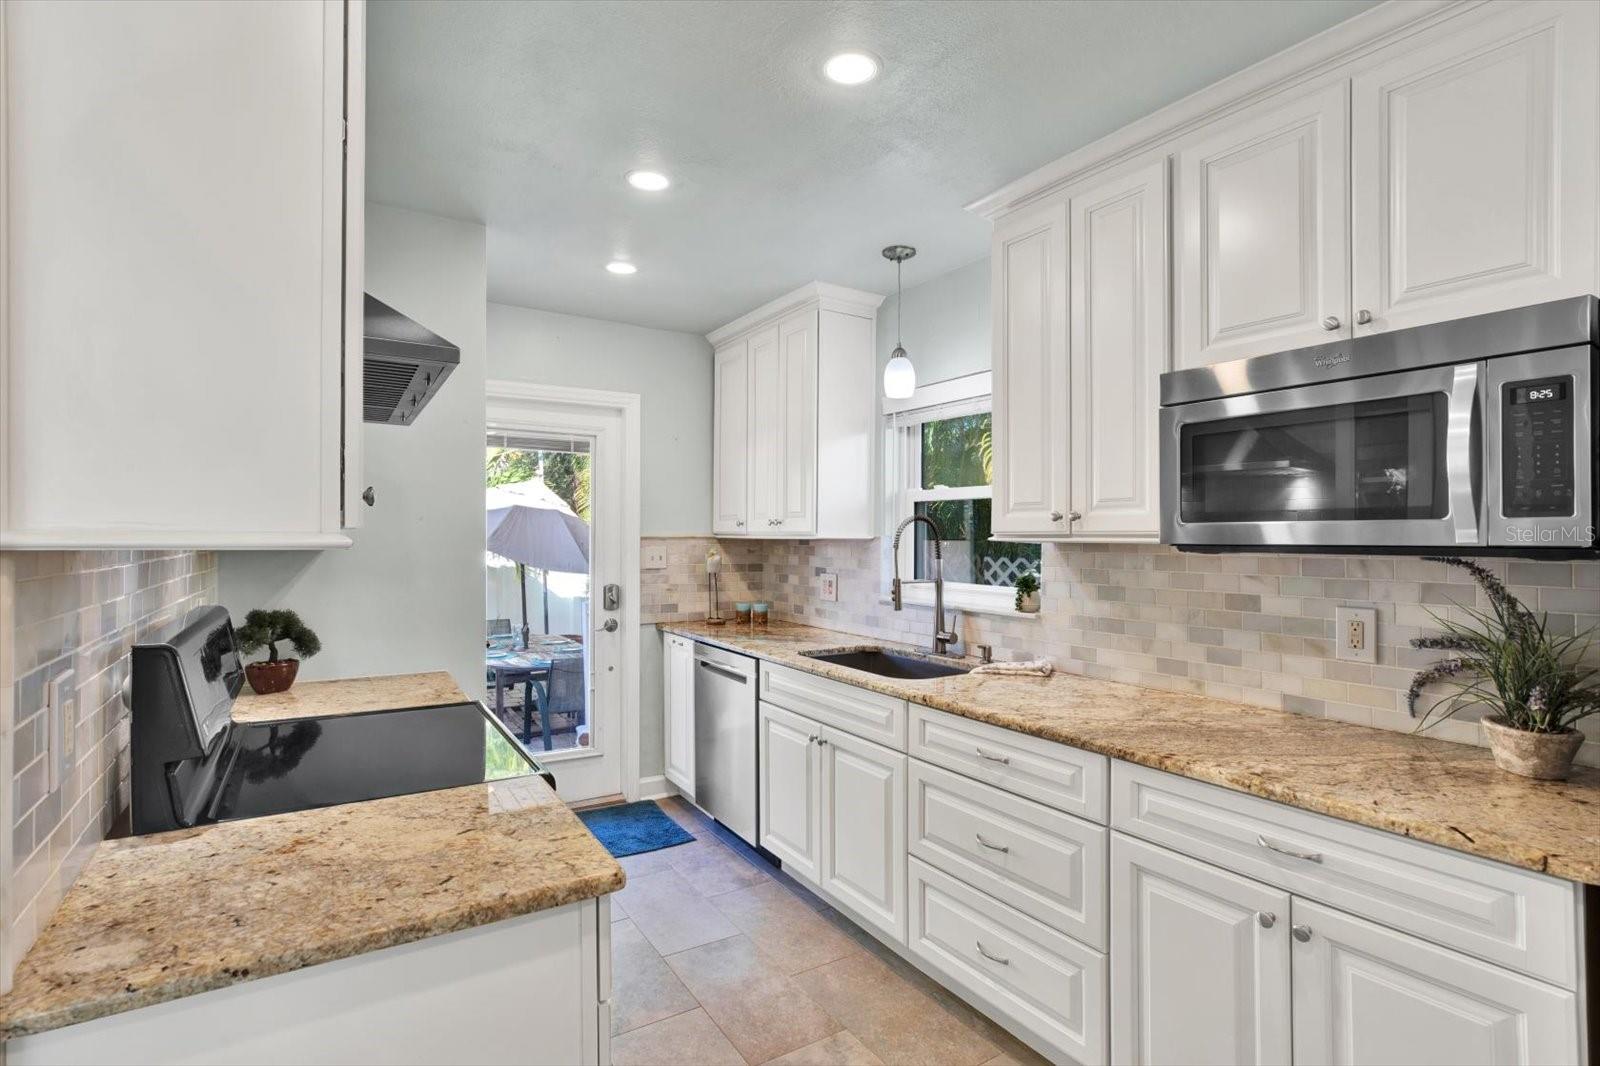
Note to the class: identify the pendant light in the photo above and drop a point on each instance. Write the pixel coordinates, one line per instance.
(899, 376)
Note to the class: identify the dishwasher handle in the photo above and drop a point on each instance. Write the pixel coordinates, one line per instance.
(731, 675)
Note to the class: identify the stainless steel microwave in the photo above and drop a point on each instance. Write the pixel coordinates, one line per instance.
(1473, 435)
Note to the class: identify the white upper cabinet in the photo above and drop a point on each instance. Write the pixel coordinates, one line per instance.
(1118, 344)
(794, 396)
(181, 359)
(1029, 272)
(1474, 163)
(1262, 203)
(730, 377)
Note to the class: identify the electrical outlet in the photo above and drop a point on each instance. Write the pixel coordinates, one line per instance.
(60, 728)
(830, 587)
(1355, 634)
(655, 557)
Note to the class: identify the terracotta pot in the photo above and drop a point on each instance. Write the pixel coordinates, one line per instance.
(1545, 756)
(1029, 603)
(269, 677)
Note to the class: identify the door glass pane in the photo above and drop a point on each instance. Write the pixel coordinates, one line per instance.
(536, 591)
(1379, 459)
(969, 555)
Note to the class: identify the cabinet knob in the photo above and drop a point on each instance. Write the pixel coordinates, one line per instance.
(1056, 516)
(739, 524)
(369, 497)
(1301, 933)
(1363, 317)
(822, 742)
(1330, 323)
(1074, 516)
(1267, 919)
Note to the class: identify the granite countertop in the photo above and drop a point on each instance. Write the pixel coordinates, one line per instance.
(1433, 790)
(159, 917)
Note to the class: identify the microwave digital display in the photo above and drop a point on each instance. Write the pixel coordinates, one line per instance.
(1537, 451)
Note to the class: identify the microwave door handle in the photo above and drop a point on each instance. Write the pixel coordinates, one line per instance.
(1461, 450)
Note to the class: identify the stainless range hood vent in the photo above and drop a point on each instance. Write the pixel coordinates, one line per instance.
(404, 366)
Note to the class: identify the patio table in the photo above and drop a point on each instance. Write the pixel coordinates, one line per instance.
(511, 666)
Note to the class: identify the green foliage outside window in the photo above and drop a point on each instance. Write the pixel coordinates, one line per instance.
(565, 473)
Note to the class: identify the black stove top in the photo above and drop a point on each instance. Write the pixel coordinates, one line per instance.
(192, 764)
(295, 765)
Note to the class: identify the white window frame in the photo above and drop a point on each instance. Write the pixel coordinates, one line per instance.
(955, 398)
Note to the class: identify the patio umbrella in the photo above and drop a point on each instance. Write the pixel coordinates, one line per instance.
(532, 526)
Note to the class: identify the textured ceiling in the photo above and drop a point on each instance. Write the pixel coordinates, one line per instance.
(524, 116)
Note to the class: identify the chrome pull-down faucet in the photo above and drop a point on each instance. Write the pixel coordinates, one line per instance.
(942, 637)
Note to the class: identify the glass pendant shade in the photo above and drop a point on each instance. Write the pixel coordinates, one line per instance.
(899, 376)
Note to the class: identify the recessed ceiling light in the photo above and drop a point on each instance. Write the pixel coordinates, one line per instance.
(621, 266)
(852, 68)
(648, 180)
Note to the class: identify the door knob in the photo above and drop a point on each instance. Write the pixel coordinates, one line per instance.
(1302, 933)
(1330, 323)
(608, 626)
(1363, 317)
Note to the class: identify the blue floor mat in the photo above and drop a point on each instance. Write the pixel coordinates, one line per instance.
(634, 828)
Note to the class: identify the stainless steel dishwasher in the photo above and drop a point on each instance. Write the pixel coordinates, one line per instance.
(725, 738)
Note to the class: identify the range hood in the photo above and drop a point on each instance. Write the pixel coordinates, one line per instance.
(405, 364)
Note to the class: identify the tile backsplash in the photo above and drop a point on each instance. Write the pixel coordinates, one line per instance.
(1254, 628)
(72, 615)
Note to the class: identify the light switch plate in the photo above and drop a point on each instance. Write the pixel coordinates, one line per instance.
(1355, 634)
(830, 587)
(655, 557)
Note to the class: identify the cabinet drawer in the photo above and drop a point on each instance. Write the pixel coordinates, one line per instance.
(867, 714)
(1518, 918)
(1046, 864)
(1045, 987)
(1054, 774)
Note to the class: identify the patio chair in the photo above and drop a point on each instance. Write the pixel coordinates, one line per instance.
(562, 695)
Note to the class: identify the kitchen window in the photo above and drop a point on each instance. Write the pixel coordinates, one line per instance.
(940, 450)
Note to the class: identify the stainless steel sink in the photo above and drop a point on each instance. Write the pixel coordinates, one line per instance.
(886, 663)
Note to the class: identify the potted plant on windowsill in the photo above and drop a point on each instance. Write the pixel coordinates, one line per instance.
(1537, 685)
(1027, 586)
(264, 629)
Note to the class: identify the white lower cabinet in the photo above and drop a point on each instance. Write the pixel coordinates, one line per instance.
(788, 783)
(1044, 987)
(1366, 995)
(864, 830)
(1199, 962)
(677, 680)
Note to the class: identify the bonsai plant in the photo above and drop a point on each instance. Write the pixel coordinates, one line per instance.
(264, 629)
(1535, 683)
(1027, 586)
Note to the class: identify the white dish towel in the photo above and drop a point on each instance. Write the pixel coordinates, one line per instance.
(1026, 668)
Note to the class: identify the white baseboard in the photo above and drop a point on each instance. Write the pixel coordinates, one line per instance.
(657, 787)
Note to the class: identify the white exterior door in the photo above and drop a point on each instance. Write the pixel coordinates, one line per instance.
(789, 790)
(1263, 231)
(864, 829)
(731, 443)
(794, 486)
(1365, 995)
(1118, 352)
(1029, 266)
(766, 431)
(677, 678)
(1199, 962)
(1474, 163)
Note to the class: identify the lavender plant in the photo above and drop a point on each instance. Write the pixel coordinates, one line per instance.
(1507, 659)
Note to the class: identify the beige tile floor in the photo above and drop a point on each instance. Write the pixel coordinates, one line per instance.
(717, 957)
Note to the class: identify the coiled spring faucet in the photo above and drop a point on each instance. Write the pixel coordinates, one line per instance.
(942, 637)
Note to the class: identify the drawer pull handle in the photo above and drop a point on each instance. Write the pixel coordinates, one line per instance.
(991, 958)
(1004, 760)
(1308, 856)
(1002, 848)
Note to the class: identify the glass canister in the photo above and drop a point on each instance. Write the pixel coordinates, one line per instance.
(741, 613)
(758, 616)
